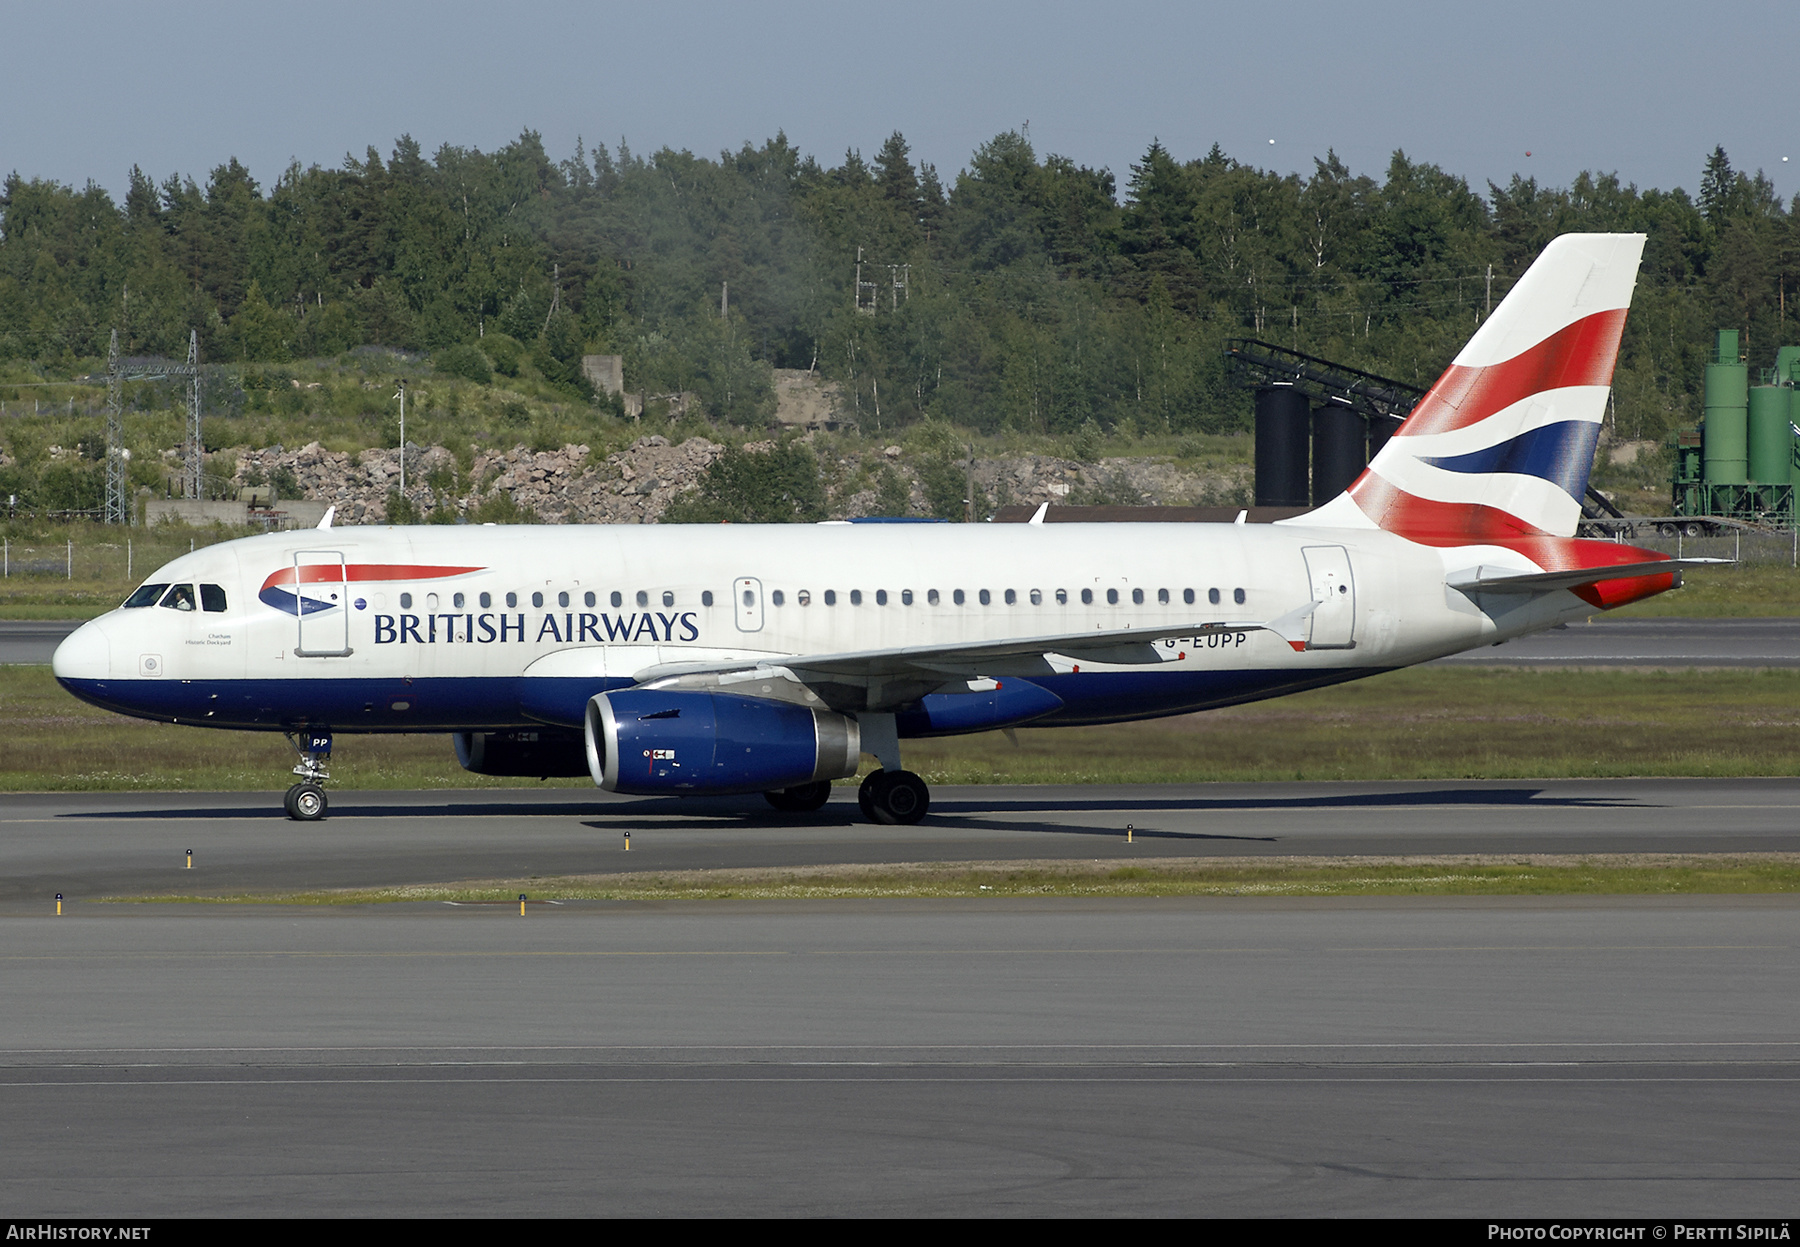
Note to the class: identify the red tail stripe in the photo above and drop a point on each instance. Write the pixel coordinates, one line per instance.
(1580, 354)
(1434, 523)
(1461, 524)
(329, 573)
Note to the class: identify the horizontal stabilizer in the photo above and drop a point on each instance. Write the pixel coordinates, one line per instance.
(1507, 580)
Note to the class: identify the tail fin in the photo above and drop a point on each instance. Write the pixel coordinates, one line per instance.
(1502, 445)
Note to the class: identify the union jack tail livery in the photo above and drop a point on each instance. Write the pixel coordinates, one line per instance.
(1501, 446)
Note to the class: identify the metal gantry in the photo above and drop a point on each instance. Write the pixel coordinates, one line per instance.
(118, 494)
(193, 461)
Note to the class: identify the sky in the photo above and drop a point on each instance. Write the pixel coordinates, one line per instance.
(1644, 89)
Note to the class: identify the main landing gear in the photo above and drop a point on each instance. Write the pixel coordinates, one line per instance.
(889, 798)
(803, 799)
(305, 801)
(893, 798)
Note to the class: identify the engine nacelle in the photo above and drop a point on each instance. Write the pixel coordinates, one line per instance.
(541, 752)
(646, 742)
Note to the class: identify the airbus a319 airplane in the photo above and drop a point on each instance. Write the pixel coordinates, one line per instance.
(767, 659)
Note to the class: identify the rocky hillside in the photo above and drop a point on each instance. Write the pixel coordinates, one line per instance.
(636, 485)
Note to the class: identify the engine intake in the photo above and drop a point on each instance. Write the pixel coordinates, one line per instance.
(645, 742)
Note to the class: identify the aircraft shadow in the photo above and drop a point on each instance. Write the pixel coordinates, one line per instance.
(665, 811)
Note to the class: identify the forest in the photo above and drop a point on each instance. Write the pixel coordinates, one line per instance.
(1029, 293)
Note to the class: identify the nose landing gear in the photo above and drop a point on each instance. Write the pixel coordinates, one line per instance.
(305, 801)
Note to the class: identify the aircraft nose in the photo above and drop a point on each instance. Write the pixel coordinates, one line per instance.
(85, 654)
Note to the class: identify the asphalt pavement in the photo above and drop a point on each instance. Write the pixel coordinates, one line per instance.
(87, 845)
(1482, 1057)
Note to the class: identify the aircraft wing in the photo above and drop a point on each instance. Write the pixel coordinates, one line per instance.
(1507, 580)
(1122, 645)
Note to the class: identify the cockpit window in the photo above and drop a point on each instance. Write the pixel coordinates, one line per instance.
(212, 598)
(179, 598)
(146, 595)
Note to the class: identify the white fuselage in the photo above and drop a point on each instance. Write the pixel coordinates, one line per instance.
(455, 627)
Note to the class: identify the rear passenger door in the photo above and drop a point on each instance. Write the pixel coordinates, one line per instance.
(1334, 618)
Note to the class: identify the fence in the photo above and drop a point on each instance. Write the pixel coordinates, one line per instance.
(118, 562)
(1745, 545)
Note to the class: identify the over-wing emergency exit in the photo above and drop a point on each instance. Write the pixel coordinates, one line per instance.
(743, 659)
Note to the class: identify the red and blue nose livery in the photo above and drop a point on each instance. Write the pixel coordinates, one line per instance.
(283, 591)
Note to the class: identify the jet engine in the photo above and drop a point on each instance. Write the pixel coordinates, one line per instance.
(542, 752)
(646, 742)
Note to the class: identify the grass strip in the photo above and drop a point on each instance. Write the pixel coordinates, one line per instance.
(1612, 874)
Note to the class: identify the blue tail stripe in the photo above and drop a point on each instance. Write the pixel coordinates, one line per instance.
(1559, 453)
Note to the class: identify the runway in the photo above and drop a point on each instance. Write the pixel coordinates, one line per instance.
(86, 845)
(1470, 1058)
(1487, 1056)
(1761, 642)
(32, 641)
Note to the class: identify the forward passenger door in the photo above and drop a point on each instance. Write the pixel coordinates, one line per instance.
(322, 597)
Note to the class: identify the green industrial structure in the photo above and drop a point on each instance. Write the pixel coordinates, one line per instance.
(1743, 462)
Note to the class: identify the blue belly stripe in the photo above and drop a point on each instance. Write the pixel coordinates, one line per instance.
(495, 703)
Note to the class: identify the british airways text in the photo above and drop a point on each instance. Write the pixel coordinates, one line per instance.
(566, 629)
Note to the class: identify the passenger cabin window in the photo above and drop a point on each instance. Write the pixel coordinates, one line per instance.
(1187, 595)
(1212, 595)
(1137, 597)
(1011, 597)
(1162, 597)
(1112, 597)
(1062, 597)
(562, 599)
(456, 599)
(1037, 597)
(777, 597)
(486, 600)
(1237, 595)
(643, 598)
(668, 598)
(931, 597)
(804, 597)
(856, 597)
(406, 601)
(706, 598)
(512, 599)
(1087, 597)
(537, 599)
(179, 598)
(831, 597)
(588, 598)
(145, 596)
(212, 598)
(905, 597)
(618, 599)
(957, 597)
